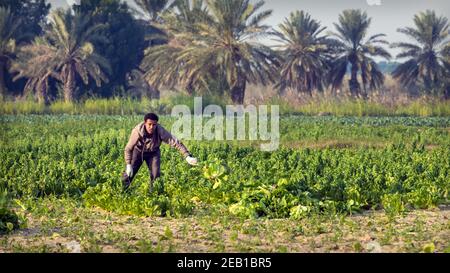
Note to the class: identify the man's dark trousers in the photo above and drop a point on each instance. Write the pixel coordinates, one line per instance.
(153, 163)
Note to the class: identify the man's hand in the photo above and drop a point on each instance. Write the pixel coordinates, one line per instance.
(192, 160)
(129, 170)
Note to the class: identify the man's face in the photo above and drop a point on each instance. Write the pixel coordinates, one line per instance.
(150, 125)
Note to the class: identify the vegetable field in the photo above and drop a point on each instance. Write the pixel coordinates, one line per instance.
(324, 166)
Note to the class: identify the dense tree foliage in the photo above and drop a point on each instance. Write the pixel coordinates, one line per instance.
(23, 22)
(428, 63)
(66, 53)
(199, 46)
(352, 47)
(125, 40)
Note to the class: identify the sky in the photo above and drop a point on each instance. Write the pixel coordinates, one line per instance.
(387, 15)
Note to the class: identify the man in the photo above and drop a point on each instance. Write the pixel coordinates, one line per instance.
(143, 145)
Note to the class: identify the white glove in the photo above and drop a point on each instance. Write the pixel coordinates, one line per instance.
(129, 170)
(192, 160)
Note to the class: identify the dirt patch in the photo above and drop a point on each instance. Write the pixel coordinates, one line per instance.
(100, 231)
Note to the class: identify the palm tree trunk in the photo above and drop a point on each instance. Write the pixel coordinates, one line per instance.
(238, 90)
(353, 83)
(190, 87)
(69, 86)
(41, 97)
(364, 91)
(154, 93)
(2, 80)
(42, 94)
(447, 91)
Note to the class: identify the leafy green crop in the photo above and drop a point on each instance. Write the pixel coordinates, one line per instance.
(82, 157)
(8, 218)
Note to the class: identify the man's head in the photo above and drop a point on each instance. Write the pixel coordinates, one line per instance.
(150, 121)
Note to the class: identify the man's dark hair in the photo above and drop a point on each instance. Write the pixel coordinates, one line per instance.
(151, 116)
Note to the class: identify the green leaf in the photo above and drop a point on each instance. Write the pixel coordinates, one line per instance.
(282, 182)
(429, 248)
(10, 226)
(217, 184)
(168, 234)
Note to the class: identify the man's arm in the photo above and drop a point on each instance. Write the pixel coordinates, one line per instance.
(130, 145)
(173, 141)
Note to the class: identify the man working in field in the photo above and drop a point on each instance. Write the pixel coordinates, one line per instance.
(144, 143)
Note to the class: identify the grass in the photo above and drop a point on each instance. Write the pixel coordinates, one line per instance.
(422, 107)
(364, 108)
(117, 106)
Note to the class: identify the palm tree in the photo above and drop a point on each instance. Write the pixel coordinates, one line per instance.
(306, 53)
(152, 8)
(222, 41)
(65, 52)
(179, 24)
(429, 56)
(32, 63)
(350, 48)
(8, 34)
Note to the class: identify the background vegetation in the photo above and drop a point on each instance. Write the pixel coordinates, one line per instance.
(105, 49)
